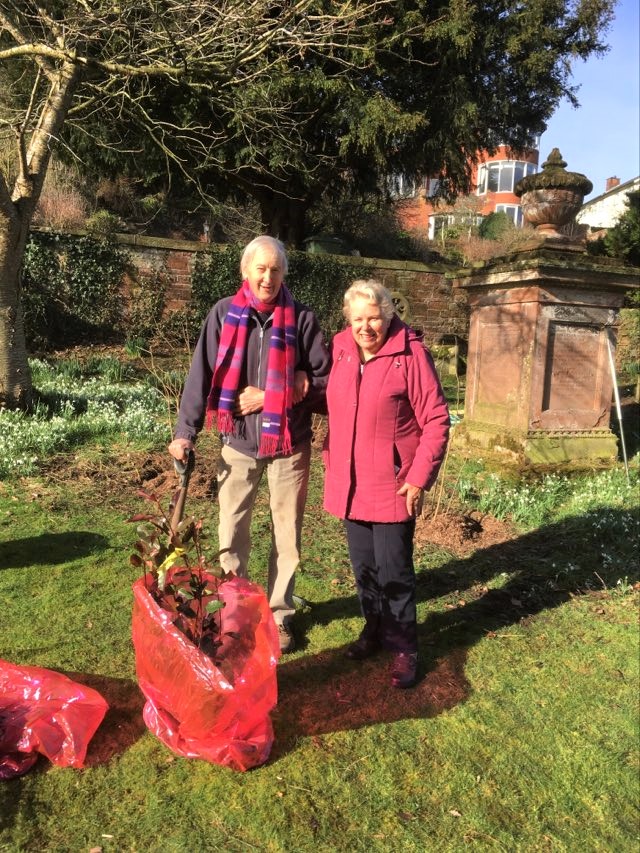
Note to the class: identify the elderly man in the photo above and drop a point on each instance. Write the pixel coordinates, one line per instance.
(259, 370)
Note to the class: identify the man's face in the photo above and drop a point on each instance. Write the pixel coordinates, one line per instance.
(264, 274)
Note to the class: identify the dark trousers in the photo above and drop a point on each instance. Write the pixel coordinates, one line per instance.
(382, 560)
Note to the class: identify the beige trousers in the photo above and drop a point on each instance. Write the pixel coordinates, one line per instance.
(238, 479)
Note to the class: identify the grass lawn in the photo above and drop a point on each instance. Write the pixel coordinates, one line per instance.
(522, 734)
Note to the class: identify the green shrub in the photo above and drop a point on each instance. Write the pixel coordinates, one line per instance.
(215, 274)
(103, 224)
(320, 281)
(629, 336)
(71, 289)
(623, 240)
(494, 226)
(145, 306)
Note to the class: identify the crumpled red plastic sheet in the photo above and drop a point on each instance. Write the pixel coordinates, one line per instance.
(44, 712)
(200, 709)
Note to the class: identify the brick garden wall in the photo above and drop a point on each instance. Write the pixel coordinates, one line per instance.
(425, 297)
(174, 258)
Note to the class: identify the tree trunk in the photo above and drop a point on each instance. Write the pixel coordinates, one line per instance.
(15, 375)
(16, 213)
(284, 218)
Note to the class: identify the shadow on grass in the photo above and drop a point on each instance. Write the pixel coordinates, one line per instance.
(542, 570)
(122, 725)
(50, 548)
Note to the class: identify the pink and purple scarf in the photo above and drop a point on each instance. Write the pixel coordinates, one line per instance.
(278, 401)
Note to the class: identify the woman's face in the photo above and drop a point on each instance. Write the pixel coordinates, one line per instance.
(264, 274)
(368, 326)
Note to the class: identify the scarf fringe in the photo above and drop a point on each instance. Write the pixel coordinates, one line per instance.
(272, 445)
(223, 421)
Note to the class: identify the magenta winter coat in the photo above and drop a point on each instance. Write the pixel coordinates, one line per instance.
(388, 424)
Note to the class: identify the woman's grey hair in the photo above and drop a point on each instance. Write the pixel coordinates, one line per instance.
(373, 292)
(264, 242)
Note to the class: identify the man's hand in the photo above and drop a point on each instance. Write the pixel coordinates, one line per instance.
(249, 401)
(415, 498)
(301, 386)
(179, 448)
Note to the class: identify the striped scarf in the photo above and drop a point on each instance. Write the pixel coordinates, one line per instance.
(278, 400)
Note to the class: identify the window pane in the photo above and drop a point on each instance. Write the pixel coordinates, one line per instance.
(482, 180)
(506, 178)
(439, 224)
(509, 209)
(492, 182)
(518, 173)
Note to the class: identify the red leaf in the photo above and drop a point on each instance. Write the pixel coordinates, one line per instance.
(141, 516)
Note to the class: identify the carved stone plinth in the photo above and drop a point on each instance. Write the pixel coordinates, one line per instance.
(539, 383)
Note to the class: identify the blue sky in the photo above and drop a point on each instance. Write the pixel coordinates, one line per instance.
(601, 137)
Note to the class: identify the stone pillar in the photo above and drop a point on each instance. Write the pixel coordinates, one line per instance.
(539, 384)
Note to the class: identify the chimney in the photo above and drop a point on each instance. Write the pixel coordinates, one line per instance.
(611, 183)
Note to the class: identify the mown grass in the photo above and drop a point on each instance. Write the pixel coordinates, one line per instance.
(521, 735)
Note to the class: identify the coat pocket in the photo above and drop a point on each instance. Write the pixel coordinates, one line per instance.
(397, 461)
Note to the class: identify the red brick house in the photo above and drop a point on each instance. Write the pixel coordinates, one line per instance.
(494, 177)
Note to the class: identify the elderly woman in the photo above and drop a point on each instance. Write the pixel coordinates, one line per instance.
(388, 430)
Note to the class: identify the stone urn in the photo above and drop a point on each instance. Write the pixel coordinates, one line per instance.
(552, 197)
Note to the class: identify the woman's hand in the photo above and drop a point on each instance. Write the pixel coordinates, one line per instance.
(249, 401)
(415, 498)
(179, 448)
(300, 386)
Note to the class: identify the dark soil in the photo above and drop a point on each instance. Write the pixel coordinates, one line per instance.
(158, 476)
(124, 473)
(463, 533)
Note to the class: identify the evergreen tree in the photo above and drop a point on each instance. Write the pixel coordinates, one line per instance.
(623, 240)
(431, 84)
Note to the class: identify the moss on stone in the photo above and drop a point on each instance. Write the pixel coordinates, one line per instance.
(554, 176)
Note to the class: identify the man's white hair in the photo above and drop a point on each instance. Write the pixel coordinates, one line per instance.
(264, 241)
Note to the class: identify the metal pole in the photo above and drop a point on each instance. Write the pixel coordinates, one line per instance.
(616, 395)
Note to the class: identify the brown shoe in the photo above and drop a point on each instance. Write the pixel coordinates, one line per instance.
(405, 669)
(287, 643)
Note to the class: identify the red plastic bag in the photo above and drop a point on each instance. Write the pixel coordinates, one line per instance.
(201, 709)
(45, 712)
